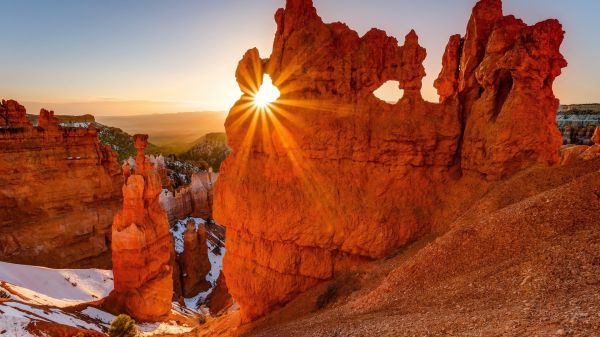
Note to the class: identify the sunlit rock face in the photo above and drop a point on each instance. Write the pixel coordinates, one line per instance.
(142, 246)
(194, 200)
(59, 190)
(329, 176)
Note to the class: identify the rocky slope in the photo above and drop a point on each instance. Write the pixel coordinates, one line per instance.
(60, 190)
(523, 261)
(329, 177)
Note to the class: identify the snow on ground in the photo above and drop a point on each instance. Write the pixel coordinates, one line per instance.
(216, 259)
(56, 287)
(179, 229)
(146, 329)
(83, 125)
(14, 326)
(42, 294)
(170, 328)
(27, 311)
(216, 265)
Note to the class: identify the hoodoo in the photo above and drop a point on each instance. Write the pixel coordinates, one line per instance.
(59, 191)
(329, 176)
(142, 246)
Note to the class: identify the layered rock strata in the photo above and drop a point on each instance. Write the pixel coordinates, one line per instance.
(60, 189)
(573, 153)
(329, 176)
(194, 200)
(142, 246)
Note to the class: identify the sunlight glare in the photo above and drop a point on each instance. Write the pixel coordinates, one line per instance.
(268, 93)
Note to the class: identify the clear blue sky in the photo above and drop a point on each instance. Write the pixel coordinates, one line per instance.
(184, 53)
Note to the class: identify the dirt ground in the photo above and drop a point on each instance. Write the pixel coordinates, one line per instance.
(523, 261)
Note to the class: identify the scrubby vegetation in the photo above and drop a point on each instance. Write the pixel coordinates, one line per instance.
(122, 142)
(208, 151)
(122, 326)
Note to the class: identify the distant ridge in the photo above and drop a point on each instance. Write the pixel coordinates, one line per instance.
(573, 108)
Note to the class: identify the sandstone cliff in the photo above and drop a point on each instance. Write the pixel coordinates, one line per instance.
(60, 189)
(329, 176)
(142, 246)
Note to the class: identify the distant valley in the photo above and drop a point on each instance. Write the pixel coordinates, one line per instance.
(174, 133)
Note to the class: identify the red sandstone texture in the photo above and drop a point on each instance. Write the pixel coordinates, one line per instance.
(193, 200)
(142, 246)
(60, 189)
(194, 262)
(523, 261)
(219, 299)
(329, 176)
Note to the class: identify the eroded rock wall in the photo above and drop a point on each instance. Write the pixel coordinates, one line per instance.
(59, 191)
(194, 200)
(142, 246)
(194, 262)
(328, 176)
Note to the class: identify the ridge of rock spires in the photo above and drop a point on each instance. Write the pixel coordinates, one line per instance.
(61, 188)
(329, 176)
(142, 246)
(573, 153)
(193, 200)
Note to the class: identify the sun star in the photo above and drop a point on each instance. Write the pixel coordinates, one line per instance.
(267, 93)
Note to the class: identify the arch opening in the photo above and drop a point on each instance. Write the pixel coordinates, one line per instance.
(267, 93)
(389, 92)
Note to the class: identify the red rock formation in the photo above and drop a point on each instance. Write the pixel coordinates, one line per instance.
(194, 261)
(329, 176)
(142, 246)
(596, 136)
(60, 190)
(219, 299)
(177, 204)
(511, 122)
(573, 153)
(193, 200)
(161, 168)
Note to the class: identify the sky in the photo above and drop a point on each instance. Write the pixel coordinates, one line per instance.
(114, 57)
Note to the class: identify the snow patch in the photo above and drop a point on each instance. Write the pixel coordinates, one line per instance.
(39, 294)
(215, 256)
(13, 326)
(56, 287)
(171, 328)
